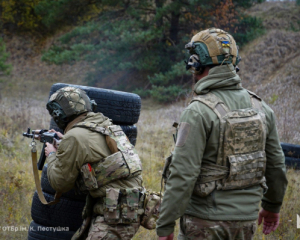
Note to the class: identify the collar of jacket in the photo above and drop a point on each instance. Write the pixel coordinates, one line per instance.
(80, 118)
(97, 118)
(224, 77)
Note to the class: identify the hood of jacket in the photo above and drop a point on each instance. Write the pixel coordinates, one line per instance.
(90, 117)
(224, 77)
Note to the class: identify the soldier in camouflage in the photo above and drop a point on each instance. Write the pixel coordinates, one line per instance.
(96, 157)
(227, 156)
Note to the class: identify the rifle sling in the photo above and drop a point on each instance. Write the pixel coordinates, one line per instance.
(38, 182)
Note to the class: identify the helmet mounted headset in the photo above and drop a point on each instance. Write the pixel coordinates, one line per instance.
(68, 103)
(211, 47)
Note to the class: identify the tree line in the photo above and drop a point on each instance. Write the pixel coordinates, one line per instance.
(139, 44)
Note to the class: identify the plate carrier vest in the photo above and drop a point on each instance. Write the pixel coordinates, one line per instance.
(241, 158)
(123, 163)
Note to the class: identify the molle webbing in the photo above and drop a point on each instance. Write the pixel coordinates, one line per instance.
(124, 163)
(241, 158)
(212, 172)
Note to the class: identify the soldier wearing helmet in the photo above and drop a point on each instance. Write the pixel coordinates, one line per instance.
(227, 156)
(95, 157)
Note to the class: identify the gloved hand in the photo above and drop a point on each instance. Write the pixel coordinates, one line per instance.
(169, 237)
(271, 221)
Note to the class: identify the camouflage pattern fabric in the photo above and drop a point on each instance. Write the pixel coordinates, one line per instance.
(100, 230)
(241, 148)
(123, 205)
(192, 228)
(110, 169)
(88, 176)
(244, 147)
(129, 210)
(112, 211)
(72, 100)
(218, 42)
(129, 153)
(152, 206)
(123, 164)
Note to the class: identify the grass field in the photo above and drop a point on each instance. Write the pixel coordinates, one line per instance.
(154, 144)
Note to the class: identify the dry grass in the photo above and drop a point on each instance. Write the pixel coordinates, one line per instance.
(16, 179)
(278, 15)
(270, 65)
(154, 144)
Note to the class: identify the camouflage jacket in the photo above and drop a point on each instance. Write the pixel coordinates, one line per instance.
(80, 146)
(200, 145)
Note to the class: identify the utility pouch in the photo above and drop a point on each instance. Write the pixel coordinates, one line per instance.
(112, 206)
(130, 208)
(204, 189)
(111, 168)
(88, 177)
(152, 208)
(246, 170)
(209, 176)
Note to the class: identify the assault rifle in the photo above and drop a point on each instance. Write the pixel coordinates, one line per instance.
(43, 136)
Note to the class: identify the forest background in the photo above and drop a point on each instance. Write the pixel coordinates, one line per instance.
(136, 46)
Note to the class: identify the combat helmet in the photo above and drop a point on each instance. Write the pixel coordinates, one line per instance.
(67, 103)
(211, 47)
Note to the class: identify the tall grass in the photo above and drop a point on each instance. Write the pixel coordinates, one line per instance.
(16, 178)
(154, 143)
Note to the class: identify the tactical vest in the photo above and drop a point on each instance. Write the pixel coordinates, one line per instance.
(241, 158)
(123, 163)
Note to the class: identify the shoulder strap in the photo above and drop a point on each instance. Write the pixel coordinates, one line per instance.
(38, 182)
(255, 101)
(93, 127)
(214, 103)
(110, 132)
(220, 109)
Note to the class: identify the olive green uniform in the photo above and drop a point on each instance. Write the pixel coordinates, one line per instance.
(80, 146)
(199, 144)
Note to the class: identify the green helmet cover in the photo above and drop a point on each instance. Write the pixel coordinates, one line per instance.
(201, 50)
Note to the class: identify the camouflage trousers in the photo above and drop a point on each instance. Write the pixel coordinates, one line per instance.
(192, 228)
(100, 230)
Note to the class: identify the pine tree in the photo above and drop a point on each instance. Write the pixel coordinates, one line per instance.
(146, 38)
